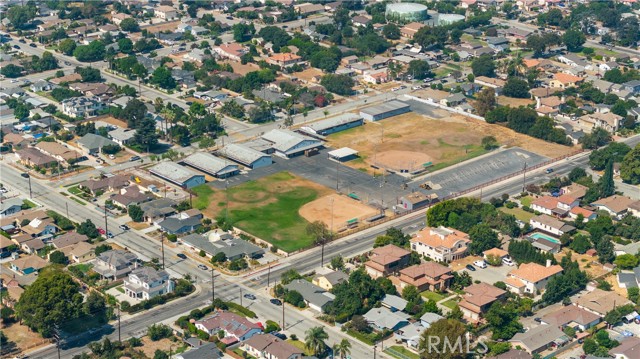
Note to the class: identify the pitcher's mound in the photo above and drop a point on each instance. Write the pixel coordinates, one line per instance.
(401, 161)
(344, 209)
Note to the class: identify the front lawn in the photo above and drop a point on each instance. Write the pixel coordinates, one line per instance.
(401, 352)
(436, 297)
(526, 201)
(451, 303)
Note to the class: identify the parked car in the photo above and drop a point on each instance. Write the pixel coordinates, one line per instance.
(16, 46)
(22, 41)
(275, 301)
(203, 267)
(33, 45)
(279, 335)
(181, 256)
(549, 170)
(471, 268)
(124, 227)
(101, 231)
(109, 234)
(113, 157)
(508, 262)
(25, 175)
(250, 296)
(3, 190)
(537, 320)
(480, 264)
(134, 158)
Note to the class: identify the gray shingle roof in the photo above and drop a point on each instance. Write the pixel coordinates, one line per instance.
(310, 292)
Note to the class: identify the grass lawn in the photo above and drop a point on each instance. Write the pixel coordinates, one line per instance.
(243, 354)
(519, 213)
(268, 208)
(361, 337)
(432, 295)
(203, 192)
(78, 201)
(401, 352)
(526, 201)
(29, 204)
(300, 345)
(451, 303)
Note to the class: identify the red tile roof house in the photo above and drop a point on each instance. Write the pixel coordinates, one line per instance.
(231, 51)
(386, 260)
(270, 346)
(427, 276)
(572, 316)
(478, 299)
(531, 277)
(234, 326)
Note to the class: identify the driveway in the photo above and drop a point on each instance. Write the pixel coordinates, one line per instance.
(490, 274)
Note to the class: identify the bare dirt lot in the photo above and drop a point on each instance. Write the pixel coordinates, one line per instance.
(401, 160)
(308, 74)
(344, 209)
(22, 337)
(514, 102)
(444, 141)
(241, 69)
(149, 347)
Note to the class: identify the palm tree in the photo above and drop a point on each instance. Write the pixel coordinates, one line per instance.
(342, 349)
(314, 341)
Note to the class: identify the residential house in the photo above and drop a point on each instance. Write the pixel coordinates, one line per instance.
(131, 196)
(145, 283)
(513, 354)
(40, 226)
(426, 276)
(383, 318)
(27, 265)
(571, 316)
(386, 260)
(410, 29)
(206, 351)
(122, 136)
(70, 78)
(267, 346)
(531, 277)
(499, 44)
(609, 121)
(233, 325)
(41, 86)
(232, 51)
(617, 206)
(550, 225)
(555, 206)
(68, 239)
(92, 144)
(115, 264)
(376, 77)
(118, 17)
(539, 338)
(15, 140)
(600, 302)
(182, 223)
(633, 86)
(393, 303)
(315, 297)
(158, 209)
(308, 9)
(441, 244)
(478, 298)
(83, 107)
(497, 253)
(80, 253)
(329, 280)
(10, 206)
(165, 13)
(60, 152)
(563, 81)
(217, 241)
(32, 157)
(629, 348)
(105, 184)
(284, 59)
(32, 246)
(587, 215)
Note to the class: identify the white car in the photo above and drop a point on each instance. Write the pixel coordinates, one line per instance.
(508, 262)
(112, 157)
(480, 264)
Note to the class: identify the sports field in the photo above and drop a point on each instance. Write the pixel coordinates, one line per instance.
(267, 208)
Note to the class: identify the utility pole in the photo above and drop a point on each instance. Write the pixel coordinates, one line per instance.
(213, 286)
(337, 176)
(56, 335)
(106, 225)
(119, 337)
(162, 244)
(268, 274)
(524, 177)
(283, 324)
(240, 296)
(66, 204)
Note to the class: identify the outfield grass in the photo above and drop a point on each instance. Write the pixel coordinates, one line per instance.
(203, 192)
(519, 213)
(432, 295)
(401, 352)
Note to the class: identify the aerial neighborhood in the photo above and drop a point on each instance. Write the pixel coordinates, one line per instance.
(288, 179)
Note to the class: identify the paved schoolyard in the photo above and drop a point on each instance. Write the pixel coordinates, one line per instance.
(320, 169)
(480, 170)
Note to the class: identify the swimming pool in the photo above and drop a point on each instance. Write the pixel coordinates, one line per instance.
(539, 235)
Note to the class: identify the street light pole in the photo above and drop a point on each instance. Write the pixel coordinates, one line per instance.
(119, 337)
(524, 177)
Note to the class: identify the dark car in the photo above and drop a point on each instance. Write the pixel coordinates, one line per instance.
(537, 320)
(22, 41)
(181, 256)
(203, 267)
(275, 301)
(33, 45)
(250, 296)
(25, 175)
(16, 46)
(549, 170)
(279, 335)
(134, 158)
(471, 268)
(229, 17)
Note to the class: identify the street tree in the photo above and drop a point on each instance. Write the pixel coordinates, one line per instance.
(315, 340)
(450, 334)
(485, 101)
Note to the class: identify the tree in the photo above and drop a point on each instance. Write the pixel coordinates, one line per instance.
(260, 114)
(54, 298)
(130, 25)
(574, 39)
(489, 143)
(516, 88)
(338, 84)
(391, 31)
(146, 133)
(450, 334)
(243, 32)
(58, 257)
(67, 46)
(220, 257)
(483, 66)
(11, 71)
(102, 248)
(485, 101)
(89, 74)
(159, 331)
(136, 213)
(294, 298)
(482, 238)
(392, 236)
(162, 77)
(630, 167)
(597, 138)
(21, 16)
(580, 244)
(337, 263)
(125, 45)
(314, 340)
(88, 229)
(503, 319)
(626, 261)
(605, 184)
(342, 349)
(95, 51)
(420, 70)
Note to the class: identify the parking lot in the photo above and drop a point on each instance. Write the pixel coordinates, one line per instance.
(480, 170)
(320, 169)
(490, 274)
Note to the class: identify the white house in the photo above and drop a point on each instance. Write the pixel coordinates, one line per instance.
(82, 106)
(165, 13)
(231, 324)
(531, 277)
(551, 225)
(145, 283)
(441, 244)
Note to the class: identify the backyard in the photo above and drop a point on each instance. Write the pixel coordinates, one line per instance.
(519, 213)
(267, 208)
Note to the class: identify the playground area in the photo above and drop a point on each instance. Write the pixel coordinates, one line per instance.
(337, 211)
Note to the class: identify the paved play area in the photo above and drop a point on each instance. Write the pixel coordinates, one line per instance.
(486, 168)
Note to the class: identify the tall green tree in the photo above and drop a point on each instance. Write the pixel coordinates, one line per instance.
(342, 349)
(630, 167)
(606, 184)
(449, 332)
(314, 340)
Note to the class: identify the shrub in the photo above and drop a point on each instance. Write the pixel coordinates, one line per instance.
(159, 331)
